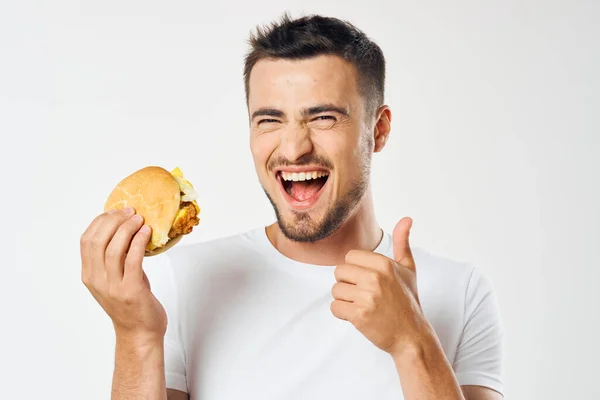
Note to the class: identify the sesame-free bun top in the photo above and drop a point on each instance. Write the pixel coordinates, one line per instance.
(153, 193)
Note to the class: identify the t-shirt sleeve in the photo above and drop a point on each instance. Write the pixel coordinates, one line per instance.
(480, 353)
(162, 281)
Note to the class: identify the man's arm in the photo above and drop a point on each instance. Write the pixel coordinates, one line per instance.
(425, 372)
(112, 252)
(139, 370)
(472, 392)
(173, 394)
(379, 296)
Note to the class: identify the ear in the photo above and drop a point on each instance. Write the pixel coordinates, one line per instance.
(383, 126)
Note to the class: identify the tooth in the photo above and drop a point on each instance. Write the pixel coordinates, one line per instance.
(294, 176)
(301, 176)
(308, 176)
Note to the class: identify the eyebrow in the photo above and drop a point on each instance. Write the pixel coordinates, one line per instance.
(321, 108)
(267, 112)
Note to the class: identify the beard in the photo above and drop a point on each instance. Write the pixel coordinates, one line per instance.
(302, 227)
(305, 229)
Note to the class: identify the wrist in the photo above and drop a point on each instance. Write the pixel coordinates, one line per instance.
(417, 347)
(138, 341)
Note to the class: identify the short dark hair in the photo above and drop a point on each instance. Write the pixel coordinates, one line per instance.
(315, 35)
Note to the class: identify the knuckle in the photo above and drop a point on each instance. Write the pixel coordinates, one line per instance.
(91, 284)
(127, 298)
(134, 222)
(339, 271)
(139, 239)
(362, 313)
(388, 266)
(112, 254)
(87, 282)
(116, 219)
(361, 316)
(370, 300)
(95, 242)
(350, 256)
(335, 289)
(375, 278)
(129, 294)
(114, 292)
(89, 241)
(129, 228)
(333, 307)
(84, 240)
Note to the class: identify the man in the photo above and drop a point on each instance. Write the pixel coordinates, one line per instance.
(321, 304)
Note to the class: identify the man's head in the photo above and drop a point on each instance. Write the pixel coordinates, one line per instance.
(314, 88)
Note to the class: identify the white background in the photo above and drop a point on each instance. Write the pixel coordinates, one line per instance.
(493, 153)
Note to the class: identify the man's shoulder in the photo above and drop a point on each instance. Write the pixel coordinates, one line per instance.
(437, 266)
(446, 283)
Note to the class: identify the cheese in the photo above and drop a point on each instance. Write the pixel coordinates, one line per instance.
(189, 194)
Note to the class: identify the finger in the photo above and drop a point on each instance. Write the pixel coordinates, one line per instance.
(345, 291)
(95, 241)
(118, 246)
(369, 259)
(135, 256)
(96, 222)
(350, 273)
(104, 234)
(343, 309)
(88, 234)
(400, 237)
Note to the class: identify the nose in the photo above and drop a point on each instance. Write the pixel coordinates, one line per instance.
(296, 142)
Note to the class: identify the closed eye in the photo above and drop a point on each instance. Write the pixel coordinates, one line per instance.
(323, 122)
(267, 121)
(325, 117)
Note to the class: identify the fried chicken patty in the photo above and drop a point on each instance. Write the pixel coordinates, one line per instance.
(185, 221)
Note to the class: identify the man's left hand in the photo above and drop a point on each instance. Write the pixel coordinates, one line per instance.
(378, 295)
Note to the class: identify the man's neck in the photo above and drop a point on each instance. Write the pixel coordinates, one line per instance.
(360, 231)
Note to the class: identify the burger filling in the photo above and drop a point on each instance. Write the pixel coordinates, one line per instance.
(187, 216)
(185, 220)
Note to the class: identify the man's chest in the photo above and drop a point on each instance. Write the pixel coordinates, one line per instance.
(248, 337)
(269, 348)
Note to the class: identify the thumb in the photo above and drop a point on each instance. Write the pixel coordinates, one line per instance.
(400, 238)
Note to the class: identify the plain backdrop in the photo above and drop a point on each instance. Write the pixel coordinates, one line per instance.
(493, 153)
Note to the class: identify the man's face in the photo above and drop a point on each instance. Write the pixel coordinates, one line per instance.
(310, 141)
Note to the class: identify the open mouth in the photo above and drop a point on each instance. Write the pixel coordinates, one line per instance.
(303, 186)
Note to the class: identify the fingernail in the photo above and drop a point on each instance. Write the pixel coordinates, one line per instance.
(137, 218)
(114, 210)
(145, 229)
(128, 210)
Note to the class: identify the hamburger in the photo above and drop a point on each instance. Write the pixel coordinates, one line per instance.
(166, 201)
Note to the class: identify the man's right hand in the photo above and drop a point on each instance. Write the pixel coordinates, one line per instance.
(112, 251)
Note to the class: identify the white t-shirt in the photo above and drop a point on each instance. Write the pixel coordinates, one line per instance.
(246, 322)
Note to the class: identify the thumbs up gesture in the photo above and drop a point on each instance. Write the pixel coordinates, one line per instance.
(379, 296)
